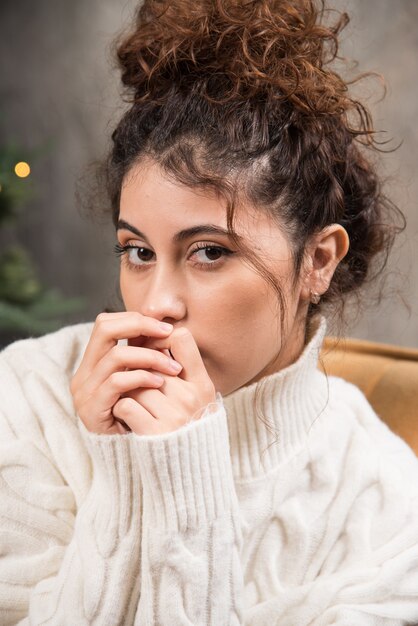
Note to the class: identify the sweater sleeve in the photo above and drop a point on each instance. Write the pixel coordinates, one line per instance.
(99, 529)
(379, 589)
(69, 547)
(363, 565)
(191, 572)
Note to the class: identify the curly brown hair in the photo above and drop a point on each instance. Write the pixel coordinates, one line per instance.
(239, 96)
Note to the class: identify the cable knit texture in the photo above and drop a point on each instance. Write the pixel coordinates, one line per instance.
(288, 503)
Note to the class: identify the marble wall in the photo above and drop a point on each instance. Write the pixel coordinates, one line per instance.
(59, 96)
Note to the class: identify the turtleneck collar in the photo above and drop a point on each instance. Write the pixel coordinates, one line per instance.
(288, 401)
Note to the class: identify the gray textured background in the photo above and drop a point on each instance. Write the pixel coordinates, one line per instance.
(58, 90)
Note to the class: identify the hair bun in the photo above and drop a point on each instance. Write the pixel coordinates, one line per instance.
(229, 50)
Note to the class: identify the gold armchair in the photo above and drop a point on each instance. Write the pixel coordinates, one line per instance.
(387, 375)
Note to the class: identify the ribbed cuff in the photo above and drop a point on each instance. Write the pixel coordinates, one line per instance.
(116, 488)
(186, 474)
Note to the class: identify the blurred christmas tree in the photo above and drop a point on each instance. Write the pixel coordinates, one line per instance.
(27, 308)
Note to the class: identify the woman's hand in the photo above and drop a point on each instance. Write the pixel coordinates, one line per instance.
(121, 388)
(180, 399)
(108, 370)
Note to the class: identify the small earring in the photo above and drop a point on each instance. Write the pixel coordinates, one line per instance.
(315, 297)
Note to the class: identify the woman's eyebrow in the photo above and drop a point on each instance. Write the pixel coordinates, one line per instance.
(207, 229)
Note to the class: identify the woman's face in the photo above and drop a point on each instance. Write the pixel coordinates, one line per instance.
(184, 269)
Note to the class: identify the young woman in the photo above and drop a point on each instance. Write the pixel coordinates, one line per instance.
(185, 461)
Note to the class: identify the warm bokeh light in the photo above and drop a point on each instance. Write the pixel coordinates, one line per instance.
(22, 169)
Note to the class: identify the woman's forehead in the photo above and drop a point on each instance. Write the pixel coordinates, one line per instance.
(153, 200)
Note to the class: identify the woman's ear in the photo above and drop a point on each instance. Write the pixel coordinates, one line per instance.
(325, 250)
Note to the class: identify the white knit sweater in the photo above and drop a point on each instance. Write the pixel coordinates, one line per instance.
(208, 525)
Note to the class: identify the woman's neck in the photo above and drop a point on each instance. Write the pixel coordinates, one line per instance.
(296, 339)
(280, 410)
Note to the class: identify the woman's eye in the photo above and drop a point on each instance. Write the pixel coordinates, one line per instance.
(208, 254)
(134, 256)
(205, 256)
(139, 255)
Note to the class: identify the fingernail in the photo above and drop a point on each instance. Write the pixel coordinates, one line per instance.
(176, 367)
(166, 327)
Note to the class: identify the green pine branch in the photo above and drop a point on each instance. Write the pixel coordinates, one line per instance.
(43, 316)
(14, 191)
(26, 306)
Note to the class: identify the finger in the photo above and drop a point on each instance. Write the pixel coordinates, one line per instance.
(120, 358)
(96, 410)
(136, 417)
(154, 401)
(184, 350)
(108, 330)
(158, 405)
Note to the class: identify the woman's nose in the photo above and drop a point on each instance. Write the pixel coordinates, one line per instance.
(164, 299)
